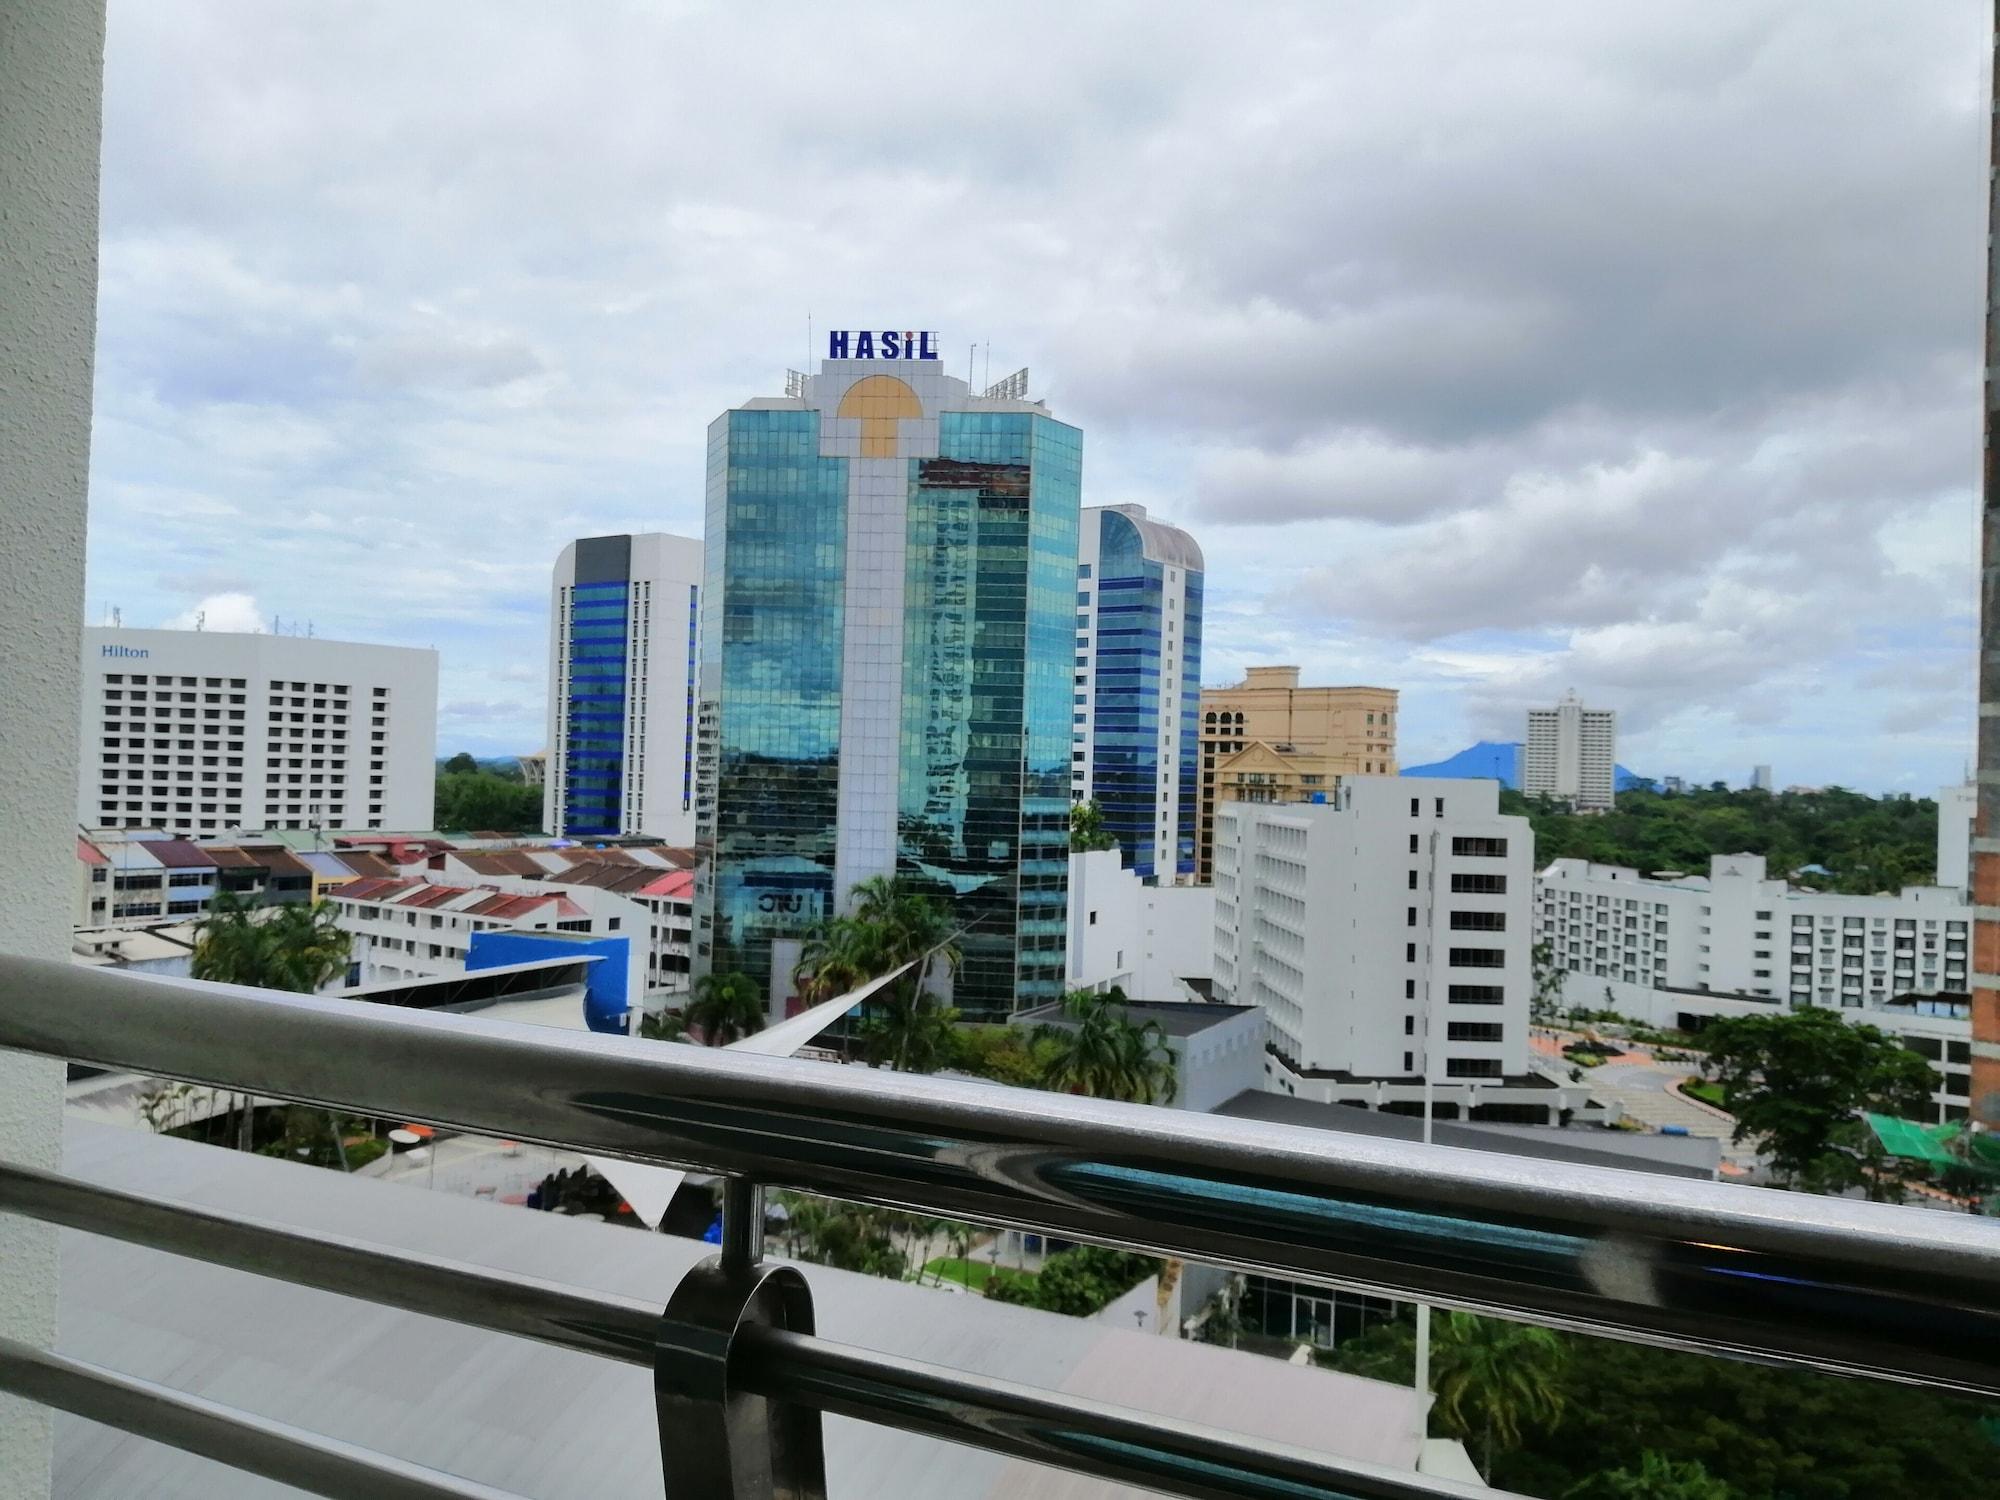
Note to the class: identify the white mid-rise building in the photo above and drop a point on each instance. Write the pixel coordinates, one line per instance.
(199, 732)
(624, 624)
(1957, 806)
(1386, 935)
(1135, 742)
(1146, 939)
(1571, 754)
(1673, 951)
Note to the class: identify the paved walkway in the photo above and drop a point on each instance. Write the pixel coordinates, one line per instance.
(1646, 1090)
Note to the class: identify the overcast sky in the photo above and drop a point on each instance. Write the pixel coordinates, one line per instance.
(1488, 350)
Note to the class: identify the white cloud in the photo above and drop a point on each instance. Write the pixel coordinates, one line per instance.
(1486, 350)
(235, 614)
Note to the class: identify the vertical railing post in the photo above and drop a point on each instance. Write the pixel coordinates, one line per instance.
(715, 1438)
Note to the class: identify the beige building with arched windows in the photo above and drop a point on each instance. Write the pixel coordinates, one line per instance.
(1269, 740)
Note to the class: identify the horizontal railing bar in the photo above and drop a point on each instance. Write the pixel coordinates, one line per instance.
(242, 1440)
(1069, 1432)
(597, 1323)
(1065, 1431)
(1853, 1287)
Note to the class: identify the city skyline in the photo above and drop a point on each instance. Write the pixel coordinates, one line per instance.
(1466, 474)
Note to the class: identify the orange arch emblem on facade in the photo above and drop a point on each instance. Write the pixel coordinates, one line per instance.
(880, 402)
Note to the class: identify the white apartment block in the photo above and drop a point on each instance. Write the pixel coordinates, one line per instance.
(1571, 753)
(624, 626)
(1386, 933)
(200, 732)
(1670, 952)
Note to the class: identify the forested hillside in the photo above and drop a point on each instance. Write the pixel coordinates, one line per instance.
(1867, 843)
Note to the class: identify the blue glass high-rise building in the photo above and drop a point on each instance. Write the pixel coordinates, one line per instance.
(624, 622)
(1137, 698)
(886, 666)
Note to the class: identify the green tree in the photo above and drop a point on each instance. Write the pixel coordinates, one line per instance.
(481, 800)
(1103, 1055)
(1077, 1282)
(847, 1236)
(1796, 1082)
(462, 764)
(1765, 1431)
(1656, 1478)
(664, 1026)
(1839, 840)
(1549, 977)
(298, 948)
(725, 1008)
(1005, 1054)
(1494, 1379)
(1086, 828)
(892, 925)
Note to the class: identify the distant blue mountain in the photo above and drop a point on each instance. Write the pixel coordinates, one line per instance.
(1500, 760)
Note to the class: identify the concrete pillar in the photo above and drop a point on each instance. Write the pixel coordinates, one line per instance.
(51, 82)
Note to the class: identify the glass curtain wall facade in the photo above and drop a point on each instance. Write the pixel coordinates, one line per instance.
(598, 628)
(983, 815)
(1125, 738)
(972, 547)
(1137, 706)
(770, 687)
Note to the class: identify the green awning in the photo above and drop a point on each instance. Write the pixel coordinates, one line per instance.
(1909, 1140)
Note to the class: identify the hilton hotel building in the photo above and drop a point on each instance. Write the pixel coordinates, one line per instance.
(197, 733)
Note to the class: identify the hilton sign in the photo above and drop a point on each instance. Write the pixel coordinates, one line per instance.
(870, 344)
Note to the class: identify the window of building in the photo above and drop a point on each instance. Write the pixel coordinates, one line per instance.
(1487, 848)
(1479, 921)
(1474, 1031)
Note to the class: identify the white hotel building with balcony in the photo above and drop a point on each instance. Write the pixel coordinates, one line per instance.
(198, 732)
(1674, 951)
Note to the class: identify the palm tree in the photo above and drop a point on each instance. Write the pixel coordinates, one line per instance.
(297, 948)
(907, 1027)
(1494, 1377)
(665, 1026)
(725, 1008)
(838, 955)
(1102, 1055)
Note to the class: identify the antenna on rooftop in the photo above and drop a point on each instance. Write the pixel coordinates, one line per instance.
(200, 618)
(117, 616)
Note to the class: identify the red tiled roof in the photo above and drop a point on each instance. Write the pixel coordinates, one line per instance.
(361, 862)
(373, 888)
(89, 853)
(433, 895)
(229, 857)
(177, 854)
(675, 884)
(499, 862)
(278, 860)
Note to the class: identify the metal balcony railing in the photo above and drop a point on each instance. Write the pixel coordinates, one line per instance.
(739, 1375)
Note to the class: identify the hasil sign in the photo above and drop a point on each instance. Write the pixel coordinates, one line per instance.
(868, 343)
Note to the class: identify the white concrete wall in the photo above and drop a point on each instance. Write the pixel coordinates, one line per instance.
(51, 82)
(1735, 930)
(1144, 939)
(1956, 806)
(1337, 919)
